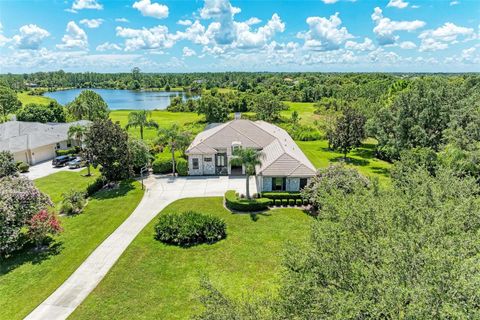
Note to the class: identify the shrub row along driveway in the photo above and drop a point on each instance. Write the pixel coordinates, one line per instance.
(45, 169)
(160, 192)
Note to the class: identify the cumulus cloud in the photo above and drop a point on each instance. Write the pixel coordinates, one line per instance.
(407, 45)
(247, 39)
(400, 4)
(30, 37)
(92, 23)
(149, 9)
(454, 3)
(366, 45)
(3, 40)
(184, 22)
(152, 38)
(107, 46)
(253, 21)
(85, 4)
(440, 38)
(385, 28)
(75, 38)
(325, 34)
(124, 20)
(223, 27)
(187, 52)
(329, 1)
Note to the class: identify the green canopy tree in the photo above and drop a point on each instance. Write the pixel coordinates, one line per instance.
(175, 139)
(267, 107)
(213, 108)
(9, 103)
(249, 158)
(348, 132)
(141, 119)
(89, 105)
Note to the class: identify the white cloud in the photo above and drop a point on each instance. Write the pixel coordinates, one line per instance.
(187, 52)
(247, 39)
(253, 21)
(384, 57)
(454, 3)
(329, 1)
(184, 22)
(324, 34)
(75, 38)
(222, 12)
(366, 45)
(148, 9)
(384, 27)
(415, 6)
(30, 37)
(440, 38)
(92, 23)
(400, 4)
(85, 4)
(107, 46)
(407, 45)
(195, 33)
(3, 40)
(153, 38)
(124, 20)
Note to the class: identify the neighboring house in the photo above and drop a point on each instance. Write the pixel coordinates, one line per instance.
(34, 142)
(284, 166)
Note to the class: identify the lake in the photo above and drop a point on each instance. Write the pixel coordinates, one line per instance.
(122, 99)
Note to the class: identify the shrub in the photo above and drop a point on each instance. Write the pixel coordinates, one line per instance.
(73, 202)
(95, 186)
(7, 164)
(182, 167)
(22, 166)
(288, 196)
(66, 152)
(248, 205)
(139, 154)
(189, 228)
(162, 165)
(42, 225)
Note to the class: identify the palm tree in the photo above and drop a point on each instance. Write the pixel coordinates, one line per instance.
(175, 139)
(249, 158)
(140, 119)
(79, 132)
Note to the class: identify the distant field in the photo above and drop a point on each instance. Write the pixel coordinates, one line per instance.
(25, 98)
(305, 111)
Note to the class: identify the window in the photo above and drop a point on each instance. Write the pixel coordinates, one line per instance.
(207, 159)
(220, 160)
(303, 183)
(69, 144)
(278, 184)
(58, 146)
(195, 164)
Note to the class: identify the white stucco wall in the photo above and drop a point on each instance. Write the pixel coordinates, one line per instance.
(204, 167)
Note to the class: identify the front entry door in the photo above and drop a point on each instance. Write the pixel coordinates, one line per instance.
(221, 164)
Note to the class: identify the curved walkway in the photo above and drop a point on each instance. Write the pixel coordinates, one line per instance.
(160, 192)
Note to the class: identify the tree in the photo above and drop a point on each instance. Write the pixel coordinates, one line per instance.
(267, 107)
(53, 112)
(9, 103)
(140, 156)
(8, 167)
(213, 109)
(19, 201)
(249, 158)
(348, 132)
(295, 118)
(107, 142)
(79, 133)
(140, 119)
(89, 105)
(42, 225)
(173, 138)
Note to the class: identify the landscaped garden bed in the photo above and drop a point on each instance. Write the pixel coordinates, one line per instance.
(235, 203)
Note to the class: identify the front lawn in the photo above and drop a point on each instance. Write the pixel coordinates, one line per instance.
(25, 98)
(156, 281)
(29, 278)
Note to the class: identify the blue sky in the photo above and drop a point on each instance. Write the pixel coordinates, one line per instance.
(255, 35)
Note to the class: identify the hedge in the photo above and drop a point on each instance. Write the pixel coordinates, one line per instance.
(162, 165)
(247, 205)
(285, 197)
(23, 166)
(182, 167)
(66, 152)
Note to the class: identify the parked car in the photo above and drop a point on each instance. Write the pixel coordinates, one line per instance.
(76, 163)
(61, 161)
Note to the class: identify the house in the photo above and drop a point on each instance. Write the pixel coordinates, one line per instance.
(284, 166)
(34, 142)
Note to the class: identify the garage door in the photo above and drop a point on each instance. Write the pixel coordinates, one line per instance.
(43, 154)
(21, 156)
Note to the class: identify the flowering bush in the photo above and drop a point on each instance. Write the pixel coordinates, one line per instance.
(42, 225)
(8, 166)
(19, 201)
(73, 202)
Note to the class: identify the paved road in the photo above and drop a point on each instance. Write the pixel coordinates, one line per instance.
(44, 169)
(160, 192)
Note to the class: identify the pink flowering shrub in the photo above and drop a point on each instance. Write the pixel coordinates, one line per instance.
(42, 225)
(20, 200)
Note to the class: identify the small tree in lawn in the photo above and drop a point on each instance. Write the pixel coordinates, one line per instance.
(42, 225)
(107, 143)
(9, 103)
(140, 119)
(79, 133)
(348, 132)
(8, 167)
(175, 139)
(249, 158)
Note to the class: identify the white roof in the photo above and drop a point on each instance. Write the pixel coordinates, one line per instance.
(18, 136)
(281, 155)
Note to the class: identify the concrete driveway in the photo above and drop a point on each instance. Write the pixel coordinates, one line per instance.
(160, 192)
(44, 169)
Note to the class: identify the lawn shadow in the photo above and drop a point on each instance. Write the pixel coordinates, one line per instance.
(255, 216)
(354, 161)
(381, 171)
(118, 191)
(29, 255)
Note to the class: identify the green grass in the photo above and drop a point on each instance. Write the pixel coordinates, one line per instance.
(363, 158)
(305, 111)
(25, 98)
(29, 278)
(162, 117)
(156, 281)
